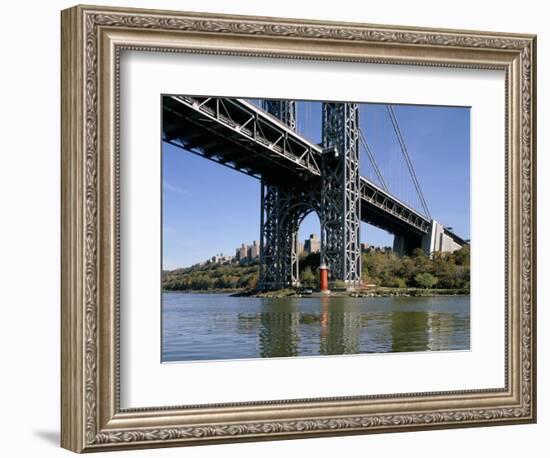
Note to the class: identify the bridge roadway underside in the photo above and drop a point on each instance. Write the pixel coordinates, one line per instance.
(375, 216)
(234, 134)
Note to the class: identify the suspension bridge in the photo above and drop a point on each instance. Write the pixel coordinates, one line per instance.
(299, 177)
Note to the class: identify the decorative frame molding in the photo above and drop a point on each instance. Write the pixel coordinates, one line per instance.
(92, 39)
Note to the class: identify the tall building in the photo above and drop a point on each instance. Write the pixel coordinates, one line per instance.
(312, 245)
(242, 252)
(299, 247)
(248, 252)
(254, 250)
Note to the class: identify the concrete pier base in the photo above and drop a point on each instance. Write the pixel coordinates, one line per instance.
(438, 239)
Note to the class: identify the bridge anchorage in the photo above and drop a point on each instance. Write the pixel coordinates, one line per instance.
(299, 177)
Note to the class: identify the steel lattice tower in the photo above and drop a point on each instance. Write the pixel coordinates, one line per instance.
(337, 203)
(340, 193)
(285, 110)
(279, 221)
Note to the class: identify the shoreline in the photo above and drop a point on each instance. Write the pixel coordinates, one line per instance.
(203, 291)
(358, 293)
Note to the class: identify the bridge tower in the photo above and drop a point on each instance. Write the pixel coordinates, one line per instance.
(340, 193)
(337, 203)
(279, 218)
(285, 110)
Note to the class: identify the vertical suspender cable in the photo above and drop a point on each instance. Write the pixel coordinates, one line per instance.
(408, 161)
(372, 160)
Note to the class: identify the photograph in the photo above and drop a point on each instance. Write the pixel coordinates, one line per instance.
(347, 230)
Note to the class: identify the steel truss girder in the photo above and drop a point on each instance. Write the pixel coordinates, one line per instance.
(390, 205)
(247, 124)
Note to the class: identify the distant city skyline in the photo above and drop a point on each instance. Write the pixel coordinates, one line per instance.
(250, 252)
(209, 209)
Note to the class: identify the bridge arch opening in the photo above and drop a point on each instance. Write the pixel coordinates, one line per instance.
(307, 249)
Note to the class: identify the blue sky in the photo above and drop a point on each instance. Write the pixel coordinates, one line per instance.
(210, 209)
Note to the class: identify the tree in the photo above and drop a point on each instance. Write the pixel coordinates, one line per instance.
(445, 269)
(252, 281)
(396, 282)
(407, 270)
(425, 280)
(365, 278)
(462, 256)
(307, 277)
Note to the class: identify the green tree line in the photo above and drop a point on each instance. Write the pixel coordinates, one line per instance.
(211, 277)
(441, 270)
(380, 268)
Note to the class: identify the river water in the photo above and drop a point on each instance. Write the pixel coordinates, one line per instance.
(214, 326)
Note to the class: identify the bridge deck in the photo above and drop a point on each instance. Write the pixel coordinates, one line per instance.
(239, 135)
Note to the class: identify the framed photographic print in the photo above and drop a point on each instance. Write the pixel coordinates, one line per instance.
(277, 228)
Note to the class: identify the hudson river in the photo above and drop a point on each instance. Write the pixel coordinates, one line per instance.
(214, 326)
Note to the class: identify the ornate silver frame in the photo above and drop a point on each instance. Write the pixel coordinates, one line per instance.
(92, 39)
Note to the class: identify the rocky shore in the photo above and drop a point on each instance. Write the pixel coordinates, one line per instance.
(375, 292)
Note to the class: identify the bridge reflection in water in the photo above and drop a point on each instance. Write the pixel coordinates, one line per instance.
(279, 330)
(195, 328)
(340, 329)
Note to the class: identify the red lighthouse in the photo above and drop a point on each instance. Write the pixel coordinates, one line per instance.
(323, 279)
